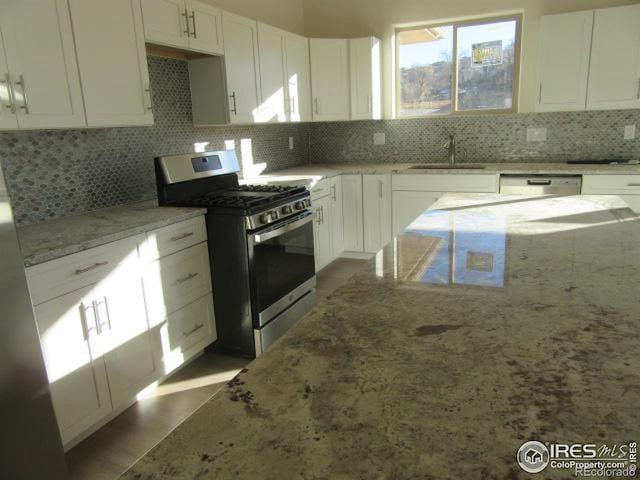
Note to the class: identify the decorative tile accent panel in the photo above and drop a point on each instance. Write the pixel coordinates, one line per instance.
(479, 139)
(61, 172)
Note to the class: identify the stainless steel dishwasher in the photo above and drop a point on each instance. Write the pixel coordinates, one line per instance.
(540, 184)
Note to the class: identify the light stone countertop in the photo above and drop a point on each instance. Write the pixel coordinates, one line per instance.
(490, 321)
(41, 242)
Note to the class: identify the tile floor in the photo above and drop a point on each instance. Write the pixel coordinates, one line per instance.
(111, 450)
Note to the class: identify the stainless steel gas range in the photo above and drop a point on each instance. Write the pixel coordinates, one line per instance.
(260, 247)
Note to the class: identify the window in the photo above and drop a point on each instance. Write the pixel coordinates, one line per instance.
(460, 67)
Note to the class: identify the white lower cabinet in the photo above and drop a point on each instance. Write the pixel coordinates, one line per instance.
(376, 211)
(352, 213)
(626, 187)
(322, 232)
(335, 209)
(112, 321)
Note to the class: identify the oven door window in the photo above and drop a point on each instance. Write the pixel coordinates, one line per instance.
(281, 264)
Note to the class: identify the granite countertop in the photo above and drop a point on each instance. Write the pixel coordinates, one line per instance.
(41, 242)
(490, 321)
(316, 172)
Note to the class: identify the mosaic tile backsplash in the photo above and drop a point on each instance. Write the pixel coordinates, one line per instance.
(479, 139)
(62, 172)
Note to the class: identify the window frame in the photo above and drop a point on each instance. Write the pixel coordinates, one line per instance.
(455, 24)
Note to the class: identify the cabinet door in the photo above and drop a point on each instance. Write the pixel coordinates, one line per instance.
(127, 344)
(407, 206)
(271, 47)
(298, 80)
(113, 62)
(241, 60)
(376, 201)
(78, 380)
(330, 79)
(165, 22)
(205, 28)
(322, 233)
(352, 213)
(364, 59)
(565, 47)
(614, 74)
(337, 229)
(39, 46)
(8, 117)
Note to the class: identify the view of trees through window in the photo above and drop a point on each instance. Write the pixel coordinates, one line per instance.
(484, 66)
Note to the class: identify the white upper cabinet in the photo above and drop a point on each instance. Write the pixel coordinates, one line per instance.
(39, 84)
(185, 24)
(113, 64)
(271, 48)
(241, 63)
(298, 79)
(565, 46)
(366, 90)
(614, 75)
(330, 79)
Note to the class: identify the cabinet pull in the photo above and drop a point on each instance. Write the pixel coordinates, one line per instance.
(83, 320)
(633, 184)
(315, 103)
(292, 105)
(540, 93)
(380, 188)
(234, 110)
(638, 94)
(99, 322)
(25, 100)
(193, 19)
(80, 271)
(370, 104)
(12, 100)
(334, 192)
(185, 14)
(187, 278)
(182, 237)
(148, 90)
(193, 330)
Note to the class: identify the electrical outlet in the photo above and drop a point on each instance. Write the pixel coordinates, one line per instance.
(536, 134)
(290, 143)
(630, 132)
(379, 138)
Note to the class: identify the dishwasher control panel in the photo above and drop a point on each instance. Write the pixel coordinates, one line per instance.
(516, 184)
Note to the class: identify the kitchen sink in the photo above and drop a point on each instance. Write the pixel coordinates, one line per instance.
(440, 166)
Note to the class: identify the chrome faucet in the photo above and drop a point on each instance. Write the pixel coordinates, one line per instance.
(451, 150)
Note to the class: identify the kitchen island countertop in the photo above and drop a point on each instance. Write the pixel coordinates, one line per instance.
(490, 321)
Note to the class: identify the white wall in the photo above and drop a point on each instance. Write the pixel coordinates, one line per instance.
(353, 18)
(285, 14)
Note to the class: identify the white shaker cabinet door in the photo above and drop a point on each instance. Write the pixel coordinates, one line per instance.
(366, 92)
(241, 62)
(271, 45)
(376, 201)
(330, 78)
(322, 233)
(298, 78)
(165, 22)
(352, 213)
(614, 74)
(78, 381)
(205, 28)
(113, 62)
(337, 227)
(565, 46)
(42, 69)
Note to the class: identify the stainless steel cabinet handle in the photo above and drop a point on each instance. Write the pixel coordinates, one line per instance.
(315, 103)
(96, 308)
(193, 330)
(148, 90)
(334, 192)
(80, 271)
(185, 14)
(182, 237)
(12, 100)
(380, 188)
(540, 93)
(193, 19)
(292, 106)
(633, 184)
(25, 100)
(370, 104)
(187, 278)
(86, 331)
(638, 94)
(538, 182)
(235, 106)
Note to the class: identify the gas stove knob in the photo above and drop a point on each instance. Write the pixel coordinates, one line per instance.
(266, 217)
(299, 205)
(307, 202)
(286, 210)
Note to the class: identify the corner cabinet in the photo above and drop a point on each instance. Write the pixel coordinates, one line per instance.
(185, 24)
(366, 88)
(241, 64)
(271, 54)
(330, 79)
(112, 60)
(39, 81)
(298, 78)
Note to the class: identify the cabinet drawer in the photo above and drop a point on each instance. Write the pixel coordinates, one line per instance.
(446, 183)
(174, 281)
(63, 275)
(611, 184)
(173, 238)
(188, 331)
(320, 189)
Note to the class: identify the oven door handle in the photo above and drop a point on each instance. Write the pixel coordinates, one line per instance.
(263, 237)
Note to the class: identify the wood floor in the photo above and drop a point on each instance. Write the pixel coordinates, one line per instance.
(115, 447)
